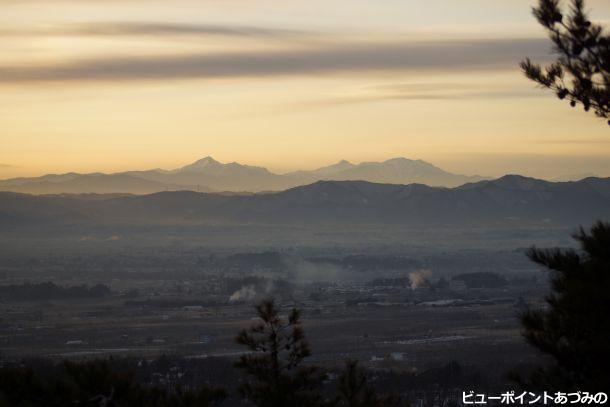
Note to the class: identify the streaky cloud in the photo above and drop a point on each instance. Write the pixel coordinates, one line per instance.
(577, 141)
(348, 58)
(152, 29)
(425, 91)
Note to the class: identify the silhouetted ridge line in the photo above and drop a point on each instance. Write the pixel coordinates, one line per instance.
(511, 200)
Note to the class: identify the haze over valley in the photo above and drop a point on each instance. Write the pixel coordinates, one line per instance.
(309, 203)
(208, 174)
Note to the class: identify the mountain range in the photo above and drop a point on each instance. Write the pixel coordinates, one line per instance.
(207, 174)
(510, 200)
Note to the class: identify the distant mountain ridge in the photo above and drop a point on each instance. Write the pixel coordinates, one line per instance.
(207, 174)
(510, 200)
(98, 183)
(393, 171)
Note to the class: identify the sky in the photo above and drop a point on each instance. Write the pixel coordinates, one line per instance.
(113, 85)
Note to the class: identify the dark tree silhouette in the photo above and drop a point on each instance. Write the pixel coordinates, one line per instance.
(354, 390)
(93, 384)
(581, 73)
(278, 349)
(575, 329)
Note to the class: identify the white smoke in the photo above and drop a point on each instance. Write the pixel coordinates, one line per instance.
(252, 292)
(246, 293)
(419, 278)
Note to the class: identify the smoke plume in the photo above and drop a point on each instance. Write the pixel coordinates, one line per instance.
(419, 278)
(246, 293)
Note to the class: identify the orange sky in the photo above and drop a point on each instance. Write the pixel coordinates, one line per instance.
(113, 85)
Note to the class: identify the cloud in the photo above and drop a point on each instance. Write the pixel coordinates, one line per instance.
(152, 29)
(348, 58)
(579, 141)
(447, 90)
(426, 91)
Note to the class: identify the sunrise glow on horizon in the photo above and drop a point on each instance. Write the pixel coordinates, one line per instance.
(120, 85)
